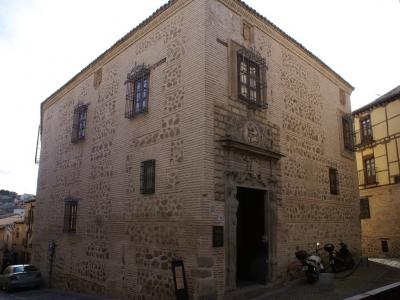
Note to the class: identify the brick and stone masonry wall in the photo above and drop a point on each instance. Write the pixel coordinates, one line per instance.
(383, 223)
(125, 241)
(303, 104)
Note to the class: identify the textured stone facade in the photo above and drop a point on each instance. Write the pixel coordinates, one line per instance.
(383, 222)
(206, 144)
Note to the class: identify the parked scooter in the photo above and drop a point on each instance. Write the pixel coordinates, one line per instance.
(339, 260)
(311, 264)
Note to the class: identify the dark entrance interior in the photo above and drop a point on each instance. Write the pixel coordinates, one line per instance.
(252, 248)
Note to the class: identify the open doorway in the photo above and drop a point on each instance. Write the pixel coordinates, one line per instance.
(252, 245)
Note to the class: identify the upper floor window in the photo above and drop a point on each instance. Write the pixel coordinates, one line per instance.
(347, 126)
(147, 176)
(79, 123)
(250, 77)
(369, 170)
(70, 214)
(366, 129)
(333, 181)
(137, 91)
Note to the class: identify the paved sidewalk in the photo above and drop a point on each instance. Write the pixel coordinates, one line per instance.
(46, 294)
(368, 276)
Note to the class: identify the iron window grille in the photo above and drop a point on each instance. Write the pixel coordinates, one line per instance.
(70, 215)
(137, 91)
(147, 176)
(79, 123)
(347, 126)
(333, 181)
(364, 209)
(251, 83)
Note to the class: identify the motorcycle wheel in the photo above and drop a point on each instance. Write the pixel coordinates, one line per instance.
(312, 276)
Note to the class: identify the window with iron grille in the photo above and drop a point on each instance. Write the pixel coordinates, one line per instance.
(79, 123)
(137, 91)
(347, 126)
(333, 181)
(147, 176)
(385, 246)
(366, 129)
(70, 215)
(364, 209)
(250, 68)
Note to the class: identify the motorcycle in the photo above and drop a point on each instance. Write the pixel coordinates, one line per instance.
(311, 264)
(339, 260)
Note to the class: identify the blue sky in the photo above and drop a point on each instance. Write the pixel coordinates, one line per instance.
(43, 43)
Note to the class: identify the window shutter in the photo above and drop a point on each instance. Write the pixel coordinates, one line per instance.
(142, 179)
(348, 132)
(67, 215)
(129, 99)
(152, 175)
(75, 126)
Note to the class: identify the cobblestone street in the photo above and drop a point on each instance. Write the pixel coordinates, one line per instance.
(366, 277)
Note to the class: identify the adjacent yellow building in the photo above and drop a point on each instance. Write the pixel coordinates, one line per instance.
(377, 145)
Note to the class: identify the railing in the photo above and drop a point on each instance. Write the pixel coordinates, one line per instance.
(371, 180)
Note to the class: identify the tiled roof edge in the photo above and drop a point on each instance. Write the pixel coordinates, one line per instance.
(386, 98)
(115, 45)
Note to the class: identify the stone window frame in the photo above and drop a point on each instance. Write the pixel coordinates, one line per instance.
(79, 123)
(237, 51)
(333, 181)
(70, 214)
(148, 176)
(365, 211)
(137, 91)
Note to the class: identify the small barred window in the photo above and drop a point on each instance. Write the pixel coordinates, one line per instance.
(147, 176)
(364, 209)
(385, 246)
(333, 181)
(70, 215)
(137, 91)
(79, 123)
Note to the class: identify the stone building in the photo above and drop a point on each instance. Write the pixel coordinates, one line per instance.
(377, 135)
(205, 135)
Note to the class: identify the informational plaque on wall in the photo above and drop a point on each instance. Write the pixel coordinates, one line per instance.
(178, 271)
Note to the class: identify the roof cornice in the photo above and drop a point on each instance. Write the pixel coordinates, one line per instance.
(157, 18)
(286, 40)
